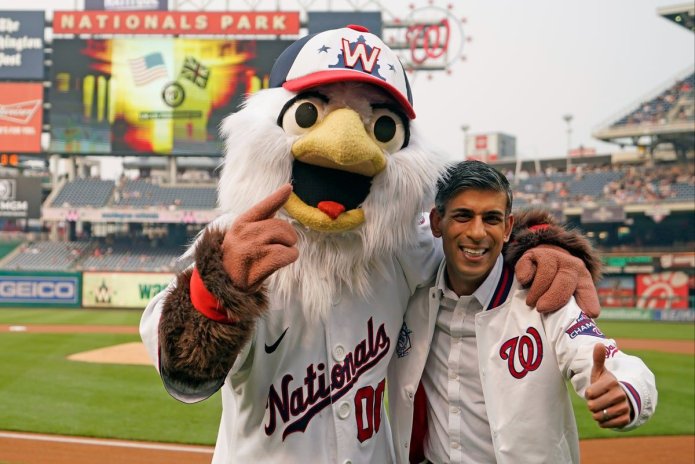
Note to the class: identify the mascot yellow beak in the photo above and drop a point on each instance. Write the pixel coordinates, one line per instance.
(332, 173)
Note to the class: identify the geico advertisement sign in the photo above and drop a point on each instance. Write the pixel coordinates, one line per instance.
(16, 289)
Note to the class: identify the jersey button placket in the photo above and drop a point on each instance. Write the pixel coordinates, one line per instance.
(344, 410)
(339, 353)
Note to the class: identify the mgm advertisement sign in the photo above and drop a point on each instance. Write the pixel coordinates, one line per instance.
(20, 198)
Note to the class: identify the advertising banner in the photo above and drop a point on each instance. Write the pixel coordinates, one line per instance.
(21, 44)
(21, 117)
(20, 197)
(152, 96)
(177, 22)
(664, 290)
(39, 289)
(616, 292)
(128, 215)
(603, 214)
(121, 289)
(130, 5)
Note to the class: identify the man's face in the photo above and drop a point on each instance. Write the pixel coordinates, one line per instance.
(473, 230)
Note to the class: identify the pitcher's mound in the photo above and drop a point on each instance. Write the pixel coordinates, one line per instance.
(126, 353)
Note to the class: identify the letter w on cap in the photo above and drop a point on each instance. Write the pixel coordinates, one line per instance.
(360, 53)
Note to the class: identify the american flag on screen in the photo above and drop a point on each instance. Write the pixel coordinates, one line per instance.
(148, 68)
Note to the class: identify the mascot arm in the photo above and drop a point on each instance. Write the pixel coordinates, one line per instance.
(554, 263)
(196, 352)
(210, 315)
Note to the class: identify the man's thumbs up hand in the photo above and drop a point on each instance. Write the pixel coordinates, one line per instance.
(606, 399)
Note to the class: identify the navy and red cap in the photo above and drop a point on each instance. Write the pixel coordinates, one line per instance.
(350, 53)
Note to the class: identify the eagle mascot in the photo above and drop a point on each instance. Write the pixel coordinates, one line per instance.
(295, 302)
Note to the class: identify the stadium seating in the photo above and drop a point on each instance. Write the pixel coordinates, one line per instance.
(144, 193)
(124, 257)
(47, 256)
(629, 185)
(674, 104)
(85, 192)
(94, 256)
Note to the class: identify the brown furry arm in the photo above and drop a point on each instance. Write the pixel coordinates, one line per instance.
(523, 239)
(196, 353)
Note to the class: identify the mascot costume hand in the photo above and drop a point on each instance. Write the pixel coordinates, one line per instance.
(296, 299)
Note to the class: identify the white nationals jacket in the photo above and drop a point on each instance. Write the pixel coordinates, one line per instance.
(306, 391)
(524, 359)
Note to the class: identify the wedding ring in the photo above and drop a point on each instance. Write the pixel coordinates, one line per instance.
(604, 417)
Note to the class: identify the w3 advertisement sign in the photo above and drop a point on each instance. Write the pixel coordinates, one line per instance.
(122, 289)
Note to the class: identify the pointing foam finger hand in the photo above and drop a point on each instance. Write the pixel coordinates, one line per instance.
(267, 207)
(277, 231)
(276, 257)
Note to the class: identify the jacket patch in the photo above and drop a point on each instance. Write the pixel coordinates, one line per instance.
(403, 346)
(584, 325)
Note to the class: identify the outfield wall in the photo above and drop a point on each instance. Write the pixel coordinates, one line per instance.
(122, 289)
(638, 314)
(38, 289)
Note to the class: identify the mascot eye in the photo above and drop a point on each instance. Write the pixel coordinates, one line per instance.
(302, 115)
(388, 130)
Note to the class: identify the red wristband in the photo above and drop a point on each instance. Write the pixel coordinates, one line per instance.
(538, 227)
(205, 302)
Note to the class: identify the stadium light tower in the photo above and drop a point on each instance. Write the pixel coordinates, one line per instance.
(465, 128)
(568, 119)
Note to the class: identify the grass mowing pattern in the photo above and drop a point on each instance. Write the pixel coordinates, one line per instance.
(70, 316)
(44, 392)
(648, 329)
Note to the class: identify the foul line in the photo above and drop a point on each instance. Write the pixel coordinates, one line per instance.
(98, 442)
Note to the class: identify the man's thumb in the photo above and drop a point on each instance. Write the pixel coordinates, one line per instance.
(599, 361)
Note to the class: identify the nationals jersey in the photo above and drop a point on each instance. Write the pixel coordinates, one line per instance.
(305, 391)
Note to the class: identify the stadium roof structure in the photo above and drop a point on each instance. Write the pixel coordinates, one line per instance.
(682, 14)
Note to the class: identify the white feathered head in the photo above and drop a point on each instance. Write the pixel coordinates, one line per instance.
(337, 124)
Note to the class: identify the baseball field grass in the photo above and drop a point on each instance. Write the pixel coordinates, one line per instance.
(44, 392)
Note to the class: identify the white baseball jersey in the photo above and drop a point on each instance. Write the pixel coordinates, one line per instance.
(524, 358)
(310, 391)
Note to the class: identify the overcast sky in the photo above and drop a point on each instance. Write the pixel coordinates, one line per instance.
(528, 64)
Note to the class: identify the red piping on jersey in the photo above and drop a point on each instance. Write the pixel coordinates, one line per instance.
(503, 287)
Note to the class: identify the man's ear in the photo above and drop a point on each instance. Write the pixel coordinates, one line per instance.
(435, 223)
(509, 225)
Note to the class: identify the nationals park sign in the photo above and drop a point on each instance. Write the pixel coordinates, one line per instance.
(176, 22)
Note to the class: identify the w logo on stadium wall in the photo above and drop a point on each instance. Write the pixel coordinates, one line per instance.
(523, 354)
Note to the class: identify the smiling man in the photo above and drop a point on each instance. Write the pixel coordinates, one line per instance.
(492, 368)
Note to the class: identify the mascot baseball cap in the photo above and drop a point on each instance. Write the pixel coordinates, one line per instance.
(351, 53)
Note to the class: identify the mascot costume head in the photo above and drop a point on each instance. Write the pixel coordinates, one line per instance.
(337, 124)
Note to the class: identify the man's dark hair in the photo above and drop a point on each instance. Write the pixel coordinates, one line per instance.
(471, 174)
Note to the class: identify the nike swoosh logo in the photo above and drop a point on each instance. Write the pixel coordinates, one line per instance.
(270, 348)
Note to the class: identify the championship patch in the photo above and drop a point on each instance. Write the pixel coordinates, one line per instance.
(403, 346)
(584, 325)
